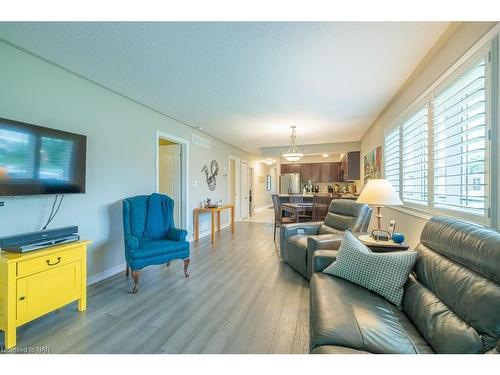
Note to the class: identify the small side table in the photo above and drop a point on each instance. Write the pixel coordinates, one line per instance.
(213, 211)
(382, 246)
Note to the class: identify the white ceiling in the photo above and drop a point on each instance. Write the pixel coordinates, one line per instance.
(244, 83)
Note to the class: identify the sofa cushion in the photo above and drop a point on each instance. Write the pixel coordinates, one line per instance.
(325, 229)
(383, 273)
(150, 248)
(345, 214)
(347, 315)
(454, 298)
(298, 240)
(330, 349)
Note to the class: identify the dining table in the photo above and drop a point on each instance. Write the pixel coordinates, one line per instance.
(297, 209)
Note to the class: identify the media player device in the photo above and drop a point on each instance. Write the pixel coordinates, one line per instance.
(22, 243)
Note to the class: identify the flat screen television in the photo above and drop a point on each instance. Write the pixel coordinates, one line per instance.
(36, 160)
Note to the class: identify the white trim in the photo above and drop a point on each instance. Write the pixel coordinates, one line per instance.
(482, 49)
(185, 174)
(241, 217)
(208, 232)
(237, 203)
(264, 207)
(412, 212)
(92, 279)
(474, 50)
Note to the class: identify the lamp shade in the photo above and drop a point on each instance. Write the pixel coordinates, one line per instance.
(379, 192)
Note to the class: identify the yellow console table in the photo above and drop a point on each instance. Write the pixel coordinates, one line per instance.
(38, 282)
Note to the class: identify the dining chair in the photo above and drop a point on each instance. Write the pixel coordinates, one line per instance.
(279, 219)
(299, 198)
(321, 202)
(295, 198)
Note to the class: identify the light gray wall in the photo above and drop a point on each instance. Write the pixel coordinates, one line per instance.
(120, 153)
(464, 37)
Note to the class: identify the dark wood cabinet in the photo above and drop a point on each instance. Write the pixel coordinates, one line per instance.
(334, 172)
(316, 172)
(350, 166)
(290, 168)
(305, 172)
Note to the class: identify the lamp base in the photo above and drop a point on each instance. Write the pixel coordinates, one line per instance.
(380, 235)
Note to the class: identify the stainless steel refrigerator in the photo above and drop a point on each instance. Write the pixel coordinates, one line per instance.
(290, 183)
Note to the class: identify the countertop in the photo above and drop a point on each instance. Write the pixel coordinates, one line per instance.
(312, 195)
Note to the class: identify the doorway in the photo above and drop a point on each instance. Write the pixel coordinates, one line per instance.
(234, 184)
(251, 192)
(171, 174)
(244, 191)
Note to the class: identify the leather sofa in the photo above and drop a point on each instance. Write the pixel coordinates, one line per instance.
(451, 302)
(299, 241)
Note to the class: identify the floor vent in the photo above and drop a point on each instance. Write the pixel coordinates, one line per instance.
(202, 142)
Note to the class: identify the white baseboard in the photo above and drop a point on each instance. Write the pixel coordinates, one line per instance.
(262, 208)
(207, 232)
(92, 279)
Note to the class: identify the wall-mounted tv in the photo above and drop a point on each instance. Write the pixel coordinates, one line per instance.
(37, 160)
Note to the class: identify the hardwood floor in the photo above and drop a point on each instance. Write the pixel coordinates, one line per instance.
(240, 298)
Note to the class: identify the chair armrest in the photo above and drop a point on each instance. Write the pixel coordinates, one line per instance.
(292, 229)
(131, 243)
(319, 242)
(176, 234)
(323, 258)
(324, 241)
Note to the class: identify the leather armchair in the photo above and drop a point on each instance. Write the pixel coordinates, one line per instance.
(451, 302)
(299, 241)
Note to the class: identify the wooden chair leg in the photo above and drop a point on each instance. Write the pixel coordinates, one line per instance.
(135, 277)
(186, 265)
(127, 271)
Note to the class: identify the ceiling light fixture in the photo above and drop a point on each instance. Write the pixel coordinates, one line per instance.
(293, 154)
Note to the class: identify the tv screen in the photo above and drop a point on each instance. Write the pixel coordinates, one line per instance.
(36, 160)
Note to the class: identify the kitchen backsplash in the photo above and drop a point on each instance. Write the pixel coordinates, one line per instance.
(323, 186)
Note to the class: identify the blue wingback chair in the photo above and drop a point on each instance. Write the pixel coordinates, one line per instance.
(141, 250)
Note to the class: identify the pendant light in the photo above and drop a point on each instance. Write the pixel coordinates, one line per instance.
(293, 154)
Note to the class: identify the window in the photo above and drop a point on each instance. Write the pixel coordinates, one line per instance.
(414, 158)
(436, 156)
(391, 157)
(460, 144)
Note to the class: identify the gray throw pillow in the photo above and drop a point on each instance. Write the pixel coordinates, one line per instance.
(382, 273)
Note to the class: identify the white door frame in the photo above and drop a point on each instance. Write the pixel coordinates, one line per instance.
(241, 193)
(184, 175)
(237, 203)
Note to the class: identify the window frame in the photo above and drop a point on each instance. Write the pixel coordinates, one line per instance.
(427, 98)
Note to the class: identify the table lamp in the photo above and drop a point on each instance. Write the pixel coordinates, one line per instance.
(379, 193)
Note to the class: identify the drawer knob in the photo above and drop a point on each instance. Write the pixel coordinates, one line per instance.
(53, 264)
(22, 298)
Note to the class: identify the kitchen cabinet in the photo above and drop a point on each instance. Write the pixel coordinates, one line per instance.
(333, 174)
(290, 168)
(349, 166)
(316, 172)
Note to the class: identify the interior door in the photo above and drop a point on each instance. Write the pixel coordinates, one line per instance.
(244, 187)
(170, 177)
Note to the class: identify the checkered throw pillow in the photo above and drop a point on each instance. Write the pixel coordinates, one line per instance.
(382, 273)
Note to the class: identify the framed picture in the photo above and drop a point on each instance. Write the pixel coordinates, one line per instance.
(262, 179)
(268, 182)
(372, 164)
